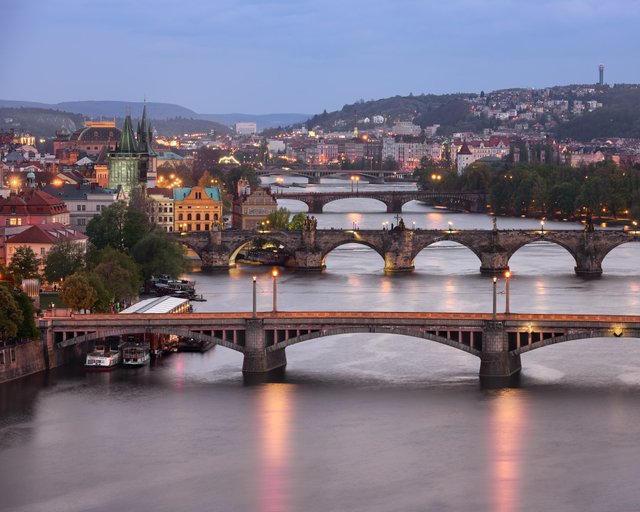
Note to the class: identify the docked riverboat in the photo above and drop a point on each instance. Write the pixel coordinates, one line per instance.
(135, 355)
(165, 285)
(102, 358)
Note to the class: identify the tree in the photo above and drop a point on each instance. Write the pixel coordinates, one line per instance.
(77, 292)
(27, 327)
(64, 258)
(119, 226)
(278, 219)
(103, 301)
(10, 314)
(297, 221)
(157, 254)
(119, 273)
(24, 264)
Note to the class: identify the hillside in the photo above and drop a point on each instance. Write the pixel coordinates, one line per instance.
(448, 110)
(160, 111)
(618, 117)
(41, 122)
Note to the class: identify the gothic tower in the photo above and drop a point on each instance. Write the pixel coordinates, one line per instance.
(124, 162)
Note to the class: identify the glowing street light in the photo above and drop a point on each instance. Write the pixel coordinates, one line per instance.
(495, 281)
(450, 225)
(507, 277)
(353, 179)
(255, 298)
(542, 226)
(275, 295)
(357, 181)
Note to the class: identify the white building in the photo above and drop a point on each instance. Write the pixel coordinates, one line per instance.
(246, 128)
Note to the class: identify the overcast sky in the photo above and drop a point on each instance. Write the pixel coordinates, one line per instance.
(265, 56)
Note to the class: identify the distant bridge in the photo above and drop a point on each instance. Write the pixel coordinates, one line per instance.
(263, 337)
(307, 249)
(314, 175)
(467, 201)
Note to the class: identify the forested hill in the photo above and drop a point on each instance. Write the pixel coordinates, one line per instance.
(41, 122)
(451, 111)
(618, 117)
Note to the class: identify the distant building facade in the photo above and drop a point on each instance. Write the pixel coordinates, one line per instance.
(197, 209)
(252, 206)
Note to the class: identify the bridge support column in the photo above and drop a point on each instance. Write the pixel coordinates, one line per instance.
(394, 206)
(398, 258)
(213, 260)
(256, 357)
(587, 265)
(496, 362)
(494, 263)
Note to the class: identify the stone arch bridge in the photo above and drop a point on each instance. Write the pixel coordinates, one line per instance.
(307, 249)
(498, 341)
(465, 201)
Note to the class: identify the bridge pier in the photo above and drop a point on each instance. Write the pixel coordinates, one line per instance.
(587, 264)
(496, 362)
(399, 255)
(494, 263)
(256, 357)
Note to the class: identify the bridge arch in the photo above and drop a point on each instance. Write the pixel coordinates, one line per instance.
(346, 241)
(615, 245)
(454, 244)
(546, 240)
(373, 329)
(384, 203)
(583, 335)
(446, 238)
(125, 331)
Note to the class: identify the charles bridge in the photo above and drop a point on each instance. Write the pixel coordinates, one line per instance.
(498, 340)
(394, 200)
(315, 174)
(307, 249)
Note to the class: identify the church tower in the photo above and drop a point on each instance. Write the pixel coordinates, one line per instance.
(148, 157)
(124, 162)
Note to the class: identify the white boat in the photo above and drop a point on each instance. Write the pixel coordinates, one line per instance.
(135, 354)
(102, 358)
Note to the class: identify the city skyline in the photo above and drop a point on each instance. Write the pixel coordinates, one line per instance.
(277, 56)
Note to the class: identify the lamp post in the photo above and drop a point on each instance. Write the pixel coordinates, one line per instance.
(357, 181)
(542, 227)
(507, 276)
(495, 281)
(275, 295)
(353, 179)
(449, 226)
(255, 298)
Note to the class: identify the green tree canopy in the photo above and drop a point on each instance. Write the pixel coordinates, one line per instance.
(278, 219)
(157, 253)
(10, 314)
(118, 226)
(64, 258)
(27, 327)
(24, 264)
(77, 292)
(297, 221)
(119, 273)
(103, 300)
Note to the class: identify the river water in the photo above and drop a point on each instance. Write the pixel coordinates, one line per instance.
(358, 422)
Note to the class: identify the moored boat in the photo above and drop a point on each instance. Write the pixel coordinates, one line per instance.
(135, 354)
(102, 358)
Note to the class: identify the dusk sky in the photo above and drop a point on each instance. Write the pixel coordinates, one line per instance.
(266, 56)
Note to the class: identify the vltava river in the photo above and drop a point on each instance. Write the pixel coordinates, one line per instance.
(371, 423)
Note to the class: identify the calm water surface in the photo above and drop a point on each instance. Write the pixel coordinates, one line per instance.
(358, 422)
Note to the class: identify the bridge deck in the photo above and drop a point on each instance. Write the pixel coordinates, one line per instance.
(333, 315)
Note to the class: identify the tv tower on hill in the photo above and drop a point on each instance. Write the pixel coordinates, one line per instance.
(601, 69)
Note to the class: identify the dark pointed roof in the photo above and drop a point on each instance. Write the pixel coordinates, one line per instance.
(144, 134)
(127, 140)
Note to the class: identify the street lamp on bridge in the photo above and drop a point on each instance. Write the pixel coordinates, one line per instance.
(495, 302)
(507, 277)
(275, 295)
(255, 298)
